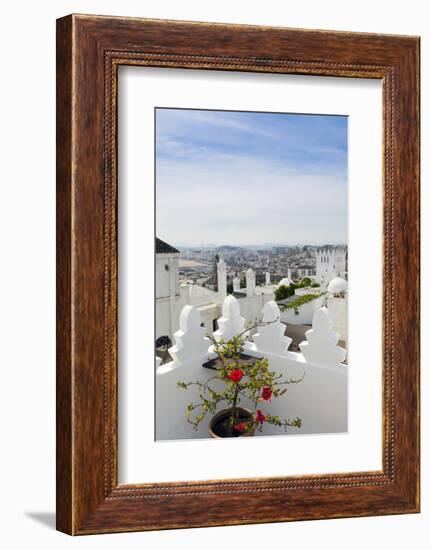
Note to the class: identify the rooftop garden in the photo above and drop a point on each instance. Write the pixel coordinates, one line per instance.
(300, 301)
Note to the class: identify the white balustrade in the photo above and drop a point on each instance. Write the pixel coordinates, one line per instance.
(320, 399)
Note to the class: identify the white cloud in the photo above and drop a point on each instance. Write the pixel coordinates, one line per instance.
(170, 120)
(243, 200)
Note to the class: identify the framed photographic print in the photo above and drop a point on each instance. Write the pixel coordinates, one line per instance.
(237, 274)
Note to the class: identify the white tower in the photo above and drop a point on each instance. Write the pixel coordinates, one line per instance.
(167, 289)
(221, 280)
(330, 263)
(250, 277)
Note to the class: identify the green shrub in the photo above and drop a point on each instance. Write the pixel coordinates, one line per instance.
(299, 301)
(283, 292)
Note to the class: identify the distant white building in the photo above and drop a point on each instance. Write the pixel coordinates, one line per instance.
(330, 263)
(167, 289)
(305, 271)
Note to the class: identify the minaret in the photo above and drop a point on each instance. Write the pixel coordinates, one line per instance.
(289, 274)
(251, 281)
(221, 280)
(267, 278)
(215, 268)
(236, 284)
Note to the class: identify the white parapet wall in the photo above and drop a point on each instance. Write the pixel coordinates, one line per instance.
(320, 399)
(303, 315)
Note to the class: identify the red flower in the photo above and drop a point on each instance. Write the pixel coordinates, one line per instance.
(240, 427)
(266, 393)
(236, 375)
(260, 417)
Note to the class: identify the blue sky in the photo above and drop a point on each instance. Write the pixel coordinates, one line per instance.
(250, 178)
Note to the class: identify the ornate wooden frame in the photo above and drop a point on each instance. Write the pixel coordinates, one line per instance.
(89, 51)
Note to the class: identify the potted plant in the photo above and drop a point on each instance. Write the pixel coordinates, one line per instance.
(237, 380)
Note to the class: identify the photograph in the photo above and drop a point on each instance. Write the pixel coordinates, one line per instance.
(251, 273)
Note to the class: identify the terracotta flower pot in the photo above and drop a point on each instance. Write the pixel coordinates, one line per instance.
(219, 426)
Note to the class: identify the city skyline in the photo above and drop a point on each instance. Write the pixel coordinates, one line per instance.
(263, 246)
(242, 178)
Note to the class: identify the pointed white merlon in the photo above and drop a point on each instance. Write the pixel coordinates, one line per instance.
(231, 323)
(271, 338)
(321, 346)
(191, 343)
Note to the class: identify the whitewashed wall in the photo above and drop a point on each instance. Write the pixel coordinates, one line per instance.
(338, 310)
(168, 300)
(305, 313)
(320, 400)
(251, 307)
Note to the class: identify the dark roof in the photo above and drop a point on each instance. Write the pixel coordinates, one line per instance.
(165, 248)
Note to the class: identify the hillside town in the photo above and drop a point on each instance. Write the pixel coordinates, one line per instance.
(196, 265)
(299, 278)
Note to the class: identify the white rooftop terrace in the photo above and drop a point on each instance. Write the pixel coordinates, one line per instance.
(320, 399)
